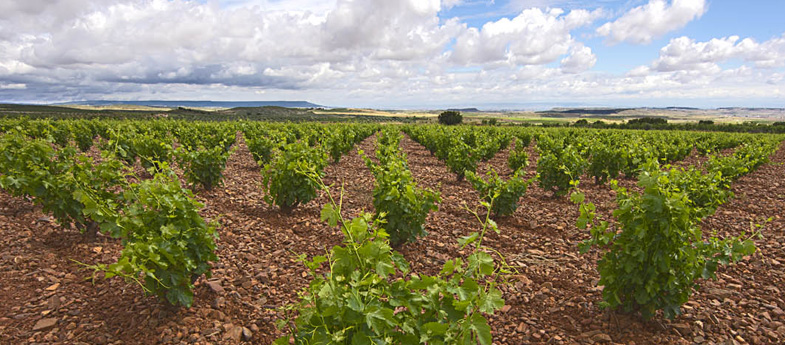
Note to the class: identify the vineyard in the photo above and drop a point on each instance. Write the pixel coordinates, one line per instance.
(186, 232)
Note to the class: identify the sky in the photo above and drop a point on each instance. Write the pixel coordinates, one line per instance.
(397, 53)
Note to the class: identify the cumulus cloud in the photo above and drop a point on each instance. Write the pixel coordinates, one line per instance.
(580, 59)
(534, 37)
(398, 30)
(160, 41)
(644, 23)
(685, 54)
(270, 44)
(688, 69)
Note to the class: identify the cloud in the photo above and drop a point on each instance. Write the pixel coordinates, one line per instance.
(645, 23)
(397, 30)
(580, 59)
(685, 54)
(44, 15)
(159, 41)
(451, 3)
(688, 69)
(534, 37)
(269, 45)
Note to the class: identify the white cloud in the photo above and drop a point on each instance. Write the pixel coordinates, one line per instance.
(311, 6)
(580, 59)
(398, 30)
(451, 3)
(534, 37)
(687, 69)
(644, 23)
(768, 54)
(154, 41)
(265, 43)
(640, 71)
(685, 54)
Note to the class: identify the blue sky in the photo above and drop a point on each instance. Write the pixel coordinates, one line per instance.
(397, 53)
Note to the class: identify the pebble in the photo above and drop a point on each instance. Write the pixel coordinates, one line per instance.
(247, 334)
(216, 286)
(219, 302)
(44, 324)
(233, 333)
(602, 338)
(682, 328)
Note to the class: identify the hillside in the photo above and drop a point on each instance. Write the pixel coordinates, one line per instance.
(199, 104)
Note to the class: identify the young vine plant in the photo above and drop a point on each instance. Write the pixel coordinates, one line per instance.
(367, 293)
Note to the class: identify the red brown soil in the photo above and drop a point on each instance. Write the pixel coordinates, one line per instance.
(552, 298)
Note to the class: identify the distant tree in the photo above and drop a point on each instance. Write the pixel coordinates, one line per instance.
(599, 124)
(648, 120)
(779, 123)
(490, 122)
(705, 122)
(450, 117)
(581, 123)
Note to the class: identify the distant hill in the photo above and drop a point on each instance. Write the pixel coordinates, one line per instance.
(266, 113)
(586, 111)
(22, 108)
(200, 104)
(465, 110)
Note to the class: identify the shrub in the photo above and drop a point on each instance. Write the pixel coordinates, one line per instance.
(83, 135)
(396, 197)
(65, 184)
(557, 169)
(523, 139)
(398, 200)
(165, 240)
(518, 158)
(286, 180)
(368, 295)
(502, 195)
(654, 261)
(461, 159)
(120, 141)
(490, 122)
(152, 150)
(606, 161)
(204, 166)
(261, 148)
(648, 120)
(450, 117)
